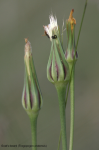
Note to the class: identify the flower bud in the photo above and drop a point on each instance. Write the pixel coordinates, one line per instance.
(57, 68)
(31, 97)
(70, 54)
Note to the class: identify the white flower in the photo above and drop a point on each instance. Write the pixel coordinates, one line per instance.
(50, 27)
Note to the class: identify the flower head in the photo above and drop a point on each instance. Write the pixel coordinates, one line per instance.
(31, 98)
(70, 54)
(52, 27)
(57, 68)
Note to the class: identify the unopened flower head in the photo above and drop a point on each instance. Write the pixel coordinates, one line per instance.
(52, 27)
(31, 97)
(57, 68)
(70, 54)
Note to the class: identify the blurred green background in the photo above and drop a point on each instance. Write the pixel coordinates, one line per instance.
(20, 19)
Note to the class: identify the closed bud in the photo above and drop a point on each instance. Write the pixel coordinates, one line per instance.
(57, 68)
(31, 98)
(70, 54)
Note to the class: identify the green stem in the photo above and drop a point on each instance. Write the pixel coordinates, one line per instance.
(33, 121)
(72, 108)
(61, 90)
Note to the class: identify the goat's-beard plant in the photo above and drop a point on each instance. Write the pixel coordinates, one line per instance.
(31, 97)
(58, 71)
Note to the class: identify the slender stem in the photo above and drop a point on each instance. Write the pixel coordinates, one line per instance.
(72, 108)
(60, 130)
(61, 90)
(33, 121)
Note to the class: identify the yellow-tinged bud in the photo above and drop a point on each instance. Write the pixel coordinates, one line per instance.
(70, 54)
